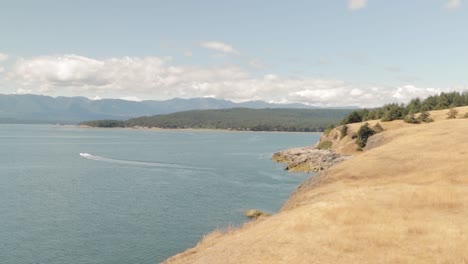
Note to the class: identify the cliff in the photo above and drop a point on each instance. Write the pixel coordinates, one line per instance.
(403, 199)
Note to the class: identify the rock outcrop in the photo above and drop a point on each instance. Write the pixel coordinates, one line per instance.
(309, 159)
(254, 213)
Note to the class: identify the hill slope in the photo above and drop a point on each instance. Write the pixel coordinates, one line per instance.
(403, 201)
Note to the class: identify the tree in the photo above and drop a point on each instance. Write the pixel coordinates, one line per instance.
(393, 112)
(353, 117)
(443, 101)
(414, 106)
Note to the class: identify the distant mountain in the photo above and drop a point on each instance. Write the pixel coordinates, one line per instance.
(270, 119)
(70, 110)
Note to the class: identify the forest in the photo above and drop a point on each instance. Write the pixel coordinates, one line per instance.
(243, 119)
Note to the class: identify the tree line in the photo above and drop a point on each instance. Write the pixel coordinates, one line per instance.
(394, 111)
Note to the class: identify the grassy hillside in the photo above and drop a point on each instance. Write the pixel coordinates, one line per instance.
(403, 200)
(237, 119)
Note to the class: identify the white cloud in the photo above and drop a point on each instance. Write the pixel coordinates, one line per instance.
(408, 92)
(453, 4)
(23, 91)
(356, 4)
(132, 78)
(219, 46)
(131, 98)
(3, 57)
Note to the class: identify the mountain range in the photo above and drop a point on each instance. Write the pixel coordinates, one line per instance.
(70, 110)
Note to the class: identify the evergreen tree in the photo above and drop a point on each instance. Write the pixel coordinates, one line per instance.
(353, 117)
(414, 106)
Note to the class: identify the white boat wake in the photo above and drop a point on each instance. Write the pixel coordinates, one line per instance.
(141, 163)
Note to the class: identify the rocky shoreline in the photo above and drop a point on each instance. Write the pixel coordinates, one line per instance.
(309, 159)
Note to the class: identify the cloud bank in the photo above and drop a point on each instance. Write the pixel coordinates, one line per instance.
(156, 78)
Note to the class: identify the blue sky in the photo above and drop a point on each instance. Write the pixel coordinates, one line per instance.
(333, 53)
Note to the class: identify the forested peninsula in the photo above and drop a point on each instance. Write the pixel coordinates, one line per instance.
(239, 119)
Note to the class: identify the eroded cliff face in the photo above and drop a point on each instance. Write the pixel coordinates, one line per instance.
(402, 200)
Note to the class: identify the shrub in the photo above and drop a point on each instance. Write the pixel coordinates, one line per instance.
(363, 135)
(452, 113)
(411, 119)
(378, 128)
(325, 145)
(425, 117)
(344, 131)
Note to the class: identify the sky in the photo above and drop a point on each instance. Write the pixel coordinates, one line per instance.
(326, 53)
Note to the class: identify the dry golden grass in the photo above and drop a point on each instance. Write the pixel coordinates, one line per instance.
(403, 201)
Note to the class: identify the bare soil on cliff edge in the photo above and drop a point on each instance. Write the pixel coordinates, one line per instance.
(405, 200)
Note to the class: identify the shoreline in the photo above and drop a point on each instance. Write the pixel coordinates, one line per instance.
(158, 129)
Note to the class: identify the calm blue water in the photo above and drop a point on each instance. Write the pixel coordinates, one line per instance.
(138, 197)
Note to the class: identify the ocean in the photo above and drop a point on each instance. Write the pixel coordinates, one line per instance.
(75, 195)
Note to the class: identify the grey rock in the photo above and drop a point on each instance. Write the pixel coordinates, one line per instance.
(309, 159)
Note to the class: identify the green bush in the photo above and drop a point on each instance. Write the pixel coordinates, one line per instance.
(325, 145)
(363, 135)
